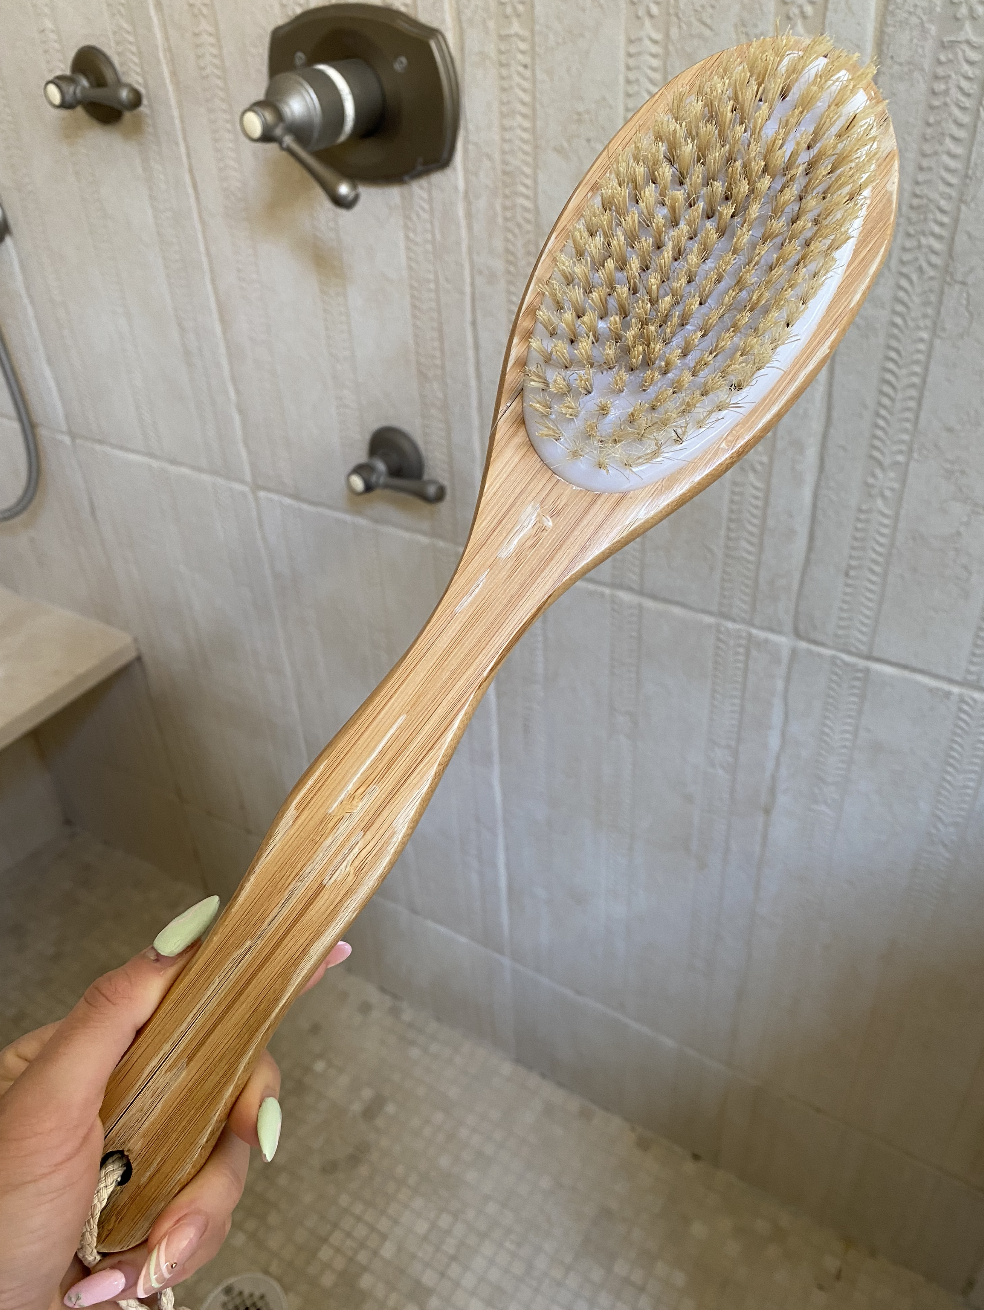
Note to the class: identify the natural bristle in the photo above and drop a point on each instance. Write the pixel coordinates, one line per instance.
(707, 240)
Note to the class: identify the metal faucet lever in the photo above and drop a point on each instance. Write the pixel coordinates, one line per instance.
(395, 463)
(95, 85)
(309, 109)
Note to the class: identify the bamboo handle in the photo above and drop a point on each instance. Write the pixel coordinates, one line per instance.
(333, 842)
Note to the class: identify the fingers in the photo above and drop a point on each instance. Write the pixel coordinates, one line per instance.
(69, 1072)
(339, 952)
(186, 1234)
(264, 1081)
(15, 1058)
(191, 1229)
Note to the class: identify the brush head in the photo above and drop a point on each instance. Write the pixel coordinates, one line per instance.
(710, 249)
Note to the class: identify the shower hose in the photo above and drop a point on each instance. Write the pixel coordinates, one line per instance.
(8, 512)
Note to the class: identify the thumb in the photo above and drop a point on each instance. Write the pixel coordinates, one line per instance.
(69, 1075)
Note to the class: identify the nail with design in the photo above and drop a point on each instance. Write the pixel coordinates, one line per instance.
(268, 1123)
(171, 1251)
(97, 1288)
(186, 928)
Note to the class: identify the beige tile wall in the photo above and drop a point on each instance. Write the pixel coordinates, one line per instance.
(710, 851)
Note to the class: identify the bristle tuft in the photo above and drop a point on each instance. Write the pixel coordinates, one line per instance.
(705, 244)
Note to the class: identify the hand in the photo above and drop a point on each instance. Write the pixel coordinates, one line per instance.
(52, 1083)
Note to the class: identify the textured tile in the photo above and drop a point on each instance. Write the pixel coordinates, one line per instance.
(890, 368)
(572, 130)
(24, 344)
(382, 294)
(113, 724)
(129, 279)
(696, 33)
(499, 157)
(934, 578)
(55, 550)
(575, 1042)
(30, 811)
(109, 762)
(196, 594)
(648, 914)
(853, 24)
(848, 942)
(134, 816)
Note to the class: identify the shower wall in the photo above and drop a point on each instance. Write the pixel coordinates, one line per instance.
(710, 851)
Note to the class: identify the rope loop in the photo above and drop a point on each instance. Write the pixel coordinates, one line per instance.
(114, 1168)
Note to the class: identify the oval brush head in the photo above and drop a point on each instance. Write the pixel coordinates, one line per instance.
(717, 231)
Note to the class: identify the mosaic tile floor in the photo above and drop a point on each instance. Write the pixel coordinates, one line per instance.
(419, 1170)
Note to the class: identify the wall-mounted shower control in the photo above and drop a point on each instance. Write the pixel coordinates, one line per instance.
(95, 84)
(315, 108)
(395, 463)
(358, 93)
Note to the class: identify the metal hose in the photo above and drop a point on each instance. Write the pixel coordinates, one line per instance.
(18, 506)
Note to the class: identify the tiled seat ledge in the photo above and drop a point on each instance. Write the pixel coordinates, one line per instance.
(48, 658)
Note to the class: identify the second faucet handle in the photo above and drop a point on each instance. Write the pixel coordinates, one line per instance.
(94, 84)
(395, 463)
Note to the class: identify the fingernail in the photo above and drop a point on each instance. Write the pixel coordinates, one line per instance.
(268, 1123)
(339, 952)
(171, 1251)
(187, 927)
(97, 1287)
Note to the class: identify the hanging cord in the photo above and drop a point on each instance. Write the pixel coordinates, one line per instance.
(112, 1170)
(8, 512)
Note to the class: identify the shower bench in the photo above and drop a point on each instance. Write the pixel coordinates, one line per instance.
(48, 658)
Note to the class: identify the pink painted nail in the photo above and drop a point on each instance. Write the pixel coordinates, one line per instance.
(339, 952)
(97, 1287)
(172, 1250)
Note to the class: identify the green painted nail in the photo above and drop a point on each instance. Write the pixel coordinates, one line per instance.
(268, 1123)
(187, 927)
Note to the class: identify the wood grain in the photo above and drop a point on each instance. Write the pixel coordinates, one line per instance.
(348, 818)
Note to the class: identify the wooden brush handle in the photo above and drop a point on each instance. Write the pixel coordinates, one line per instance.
(349, 817)
(336, 837)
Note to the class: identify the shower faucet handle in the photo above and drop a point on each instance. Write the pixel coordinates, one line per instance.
(94, 84)
(309, 109)
(341, 191)
(358, 93)
(395, 463)
(266, 120)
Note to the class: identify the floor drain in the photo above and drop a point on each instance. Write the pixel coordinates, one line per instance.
(247, 1292)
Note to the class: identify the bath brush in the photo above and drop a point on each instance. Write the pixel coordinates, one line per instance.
(695, 282)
